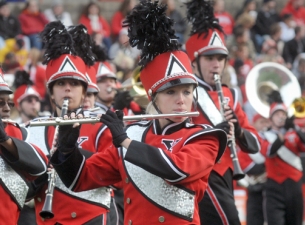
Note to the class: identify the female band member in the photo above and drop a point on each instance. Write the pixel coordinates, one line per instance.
(164, 163)
(66, 74)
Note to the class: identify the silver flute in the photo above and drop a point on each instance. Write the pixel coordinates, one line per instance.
(58, 121)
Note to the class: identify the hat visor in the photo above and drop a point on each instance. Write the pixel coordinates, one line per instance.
(73, 77)
(99, 78)
(92, 90)
(215, 52)
(6, 90)
(177, 82)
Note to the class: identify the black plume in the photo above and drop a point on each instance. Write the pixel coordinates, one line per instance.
(22, 77)
(200, 14)
(100, 53)
(57, 41)
(274, 97)
(150, 30)
(82, 43)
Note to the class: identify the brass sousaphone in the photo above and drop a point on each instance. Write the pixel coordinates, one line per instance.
(266, 77)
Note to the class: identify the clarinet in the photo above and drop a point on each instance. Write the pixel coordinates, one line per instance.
(46, 211)
(237, 171)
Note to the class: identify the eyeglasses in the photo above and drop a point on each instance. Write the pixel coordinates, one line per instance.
(10, 104)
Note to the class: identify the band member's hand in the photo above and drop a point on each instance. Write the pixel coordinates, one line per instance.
(289, 123)
(3, 134)
(122, 100)
(68, 136)
(114, 121)
(231, 117)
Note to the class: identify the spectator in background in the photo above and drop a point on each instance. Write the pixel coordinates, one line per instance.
(298, 69)
(179, 22)
(122, 54)
(9, 24)
(32, 23)
(275, 35)
(297, 9)
(119, 16)
(225, 18)
(56, 12)
(294, 47)
(10, 64)
(36, 71)
(241, 36)
(92, 19)
(287, 25)
(265, 18)
(270, 52)
(249, 7)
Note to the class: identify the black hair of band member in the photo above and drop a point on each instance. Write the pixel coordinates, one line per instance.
(22, 78)
(200, 13)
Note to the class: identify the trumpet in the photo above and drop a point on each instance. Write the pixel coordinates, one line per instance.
(58, 121)
(123, 87)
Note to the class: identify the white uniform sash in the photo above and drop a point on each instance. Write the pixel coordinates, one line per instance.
(284, 153)
(36, 135)
(155, 188)
(207, 105)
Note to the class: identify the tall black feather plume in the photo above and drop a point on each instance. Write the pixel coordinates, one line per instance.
(200, 14)
(274, 97)
(22, 77)
(100, 53)
(150, 30)
(83, 43)
(57, 41)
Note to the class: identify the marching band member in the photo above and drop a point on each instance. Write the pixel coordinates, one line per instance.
(19, 161)
(66, 74)
(26, 97)
(281, 145)
(208, 55)
(254, 166)
(164, 164)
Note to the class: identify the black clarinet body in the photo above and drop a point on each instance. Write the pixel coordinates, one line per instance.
(46, 211)
(237, 171)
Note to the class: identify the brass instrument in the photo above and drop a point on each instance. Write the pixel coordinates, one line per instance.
(266, 77)
(58, 121)
(237, 171)
(298, 107)
(46, 211)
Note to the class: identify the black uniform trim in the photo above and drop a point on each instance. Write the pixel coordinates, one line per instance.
(68, 169)
(250, 142)
(29, 159)
(275, 146)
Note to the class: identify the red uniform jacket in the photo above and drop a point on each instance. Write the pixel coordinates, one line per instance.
(251, 142)
(31, 163)
(69, 209)
(154, 169)
(278, 169)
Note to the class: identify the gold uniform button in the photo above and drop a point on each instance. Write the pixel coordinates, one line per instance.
(73, 215)
(129, 222)
(126, 180)
(128, 200)
(161, 219)
(39, 199)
